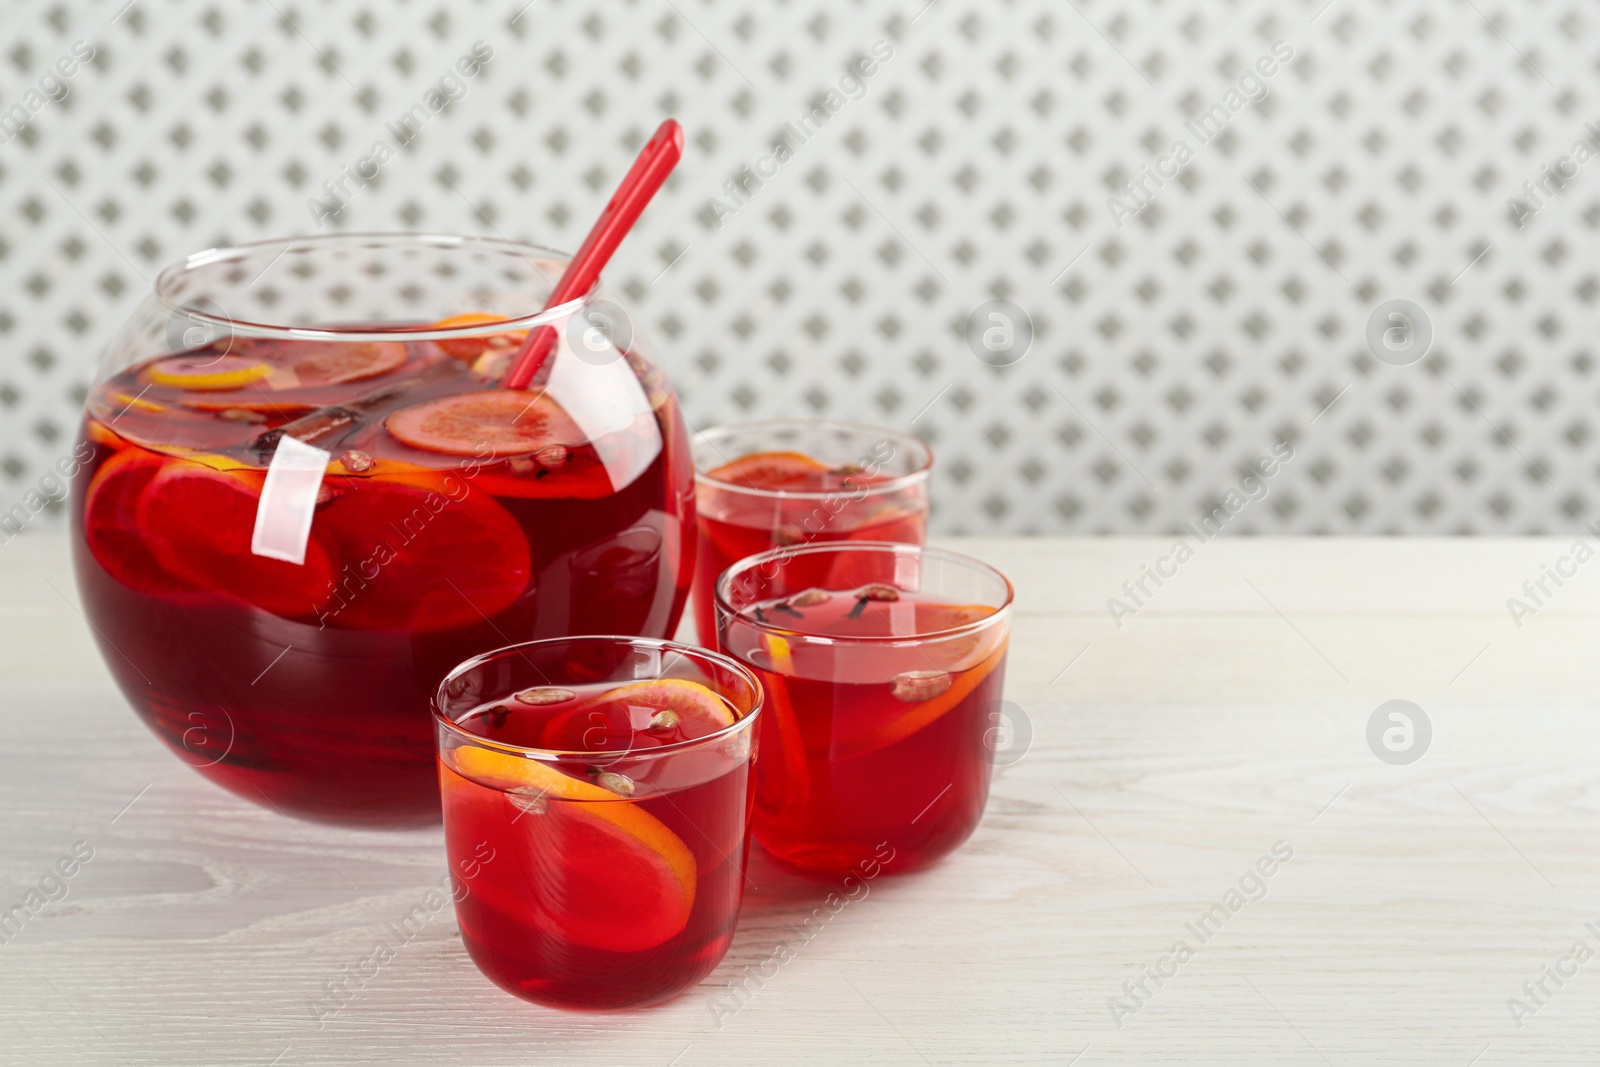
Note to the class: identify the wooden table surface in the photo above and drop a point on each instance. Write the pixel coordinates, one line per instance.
(1227, 716)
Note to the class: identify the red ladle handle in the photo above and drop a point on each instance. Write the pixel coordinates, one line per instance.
(655, 162)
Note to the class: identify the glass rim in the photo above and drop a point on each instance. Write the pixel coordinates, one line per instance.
(225, 253)
(903, 481)
(556, 755)
(999, 614)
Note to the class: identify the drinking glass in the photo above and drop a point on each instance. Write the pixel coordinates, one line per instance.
(883, 666)
(599, 790)
(779, 482)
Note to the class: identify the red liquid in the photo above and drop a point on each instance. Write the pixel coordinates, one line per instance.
(735, 526)
(594, 900)
(308, 686)
(869, 746)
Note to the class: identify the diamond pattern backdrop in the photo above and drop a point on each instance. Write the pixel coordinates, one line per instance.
(1171, 349)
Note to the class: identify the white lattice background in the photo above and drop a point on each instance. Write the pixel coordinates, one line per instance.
(975, 164)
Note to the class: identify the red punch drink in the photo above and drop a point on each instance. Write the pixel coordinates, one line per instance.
(883, 667)
(618, 812)
(438, 515)
(764, 485)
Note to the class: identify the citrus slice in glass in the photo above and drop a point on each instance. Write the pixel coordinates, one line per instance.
(219, 373)
(198, 523)
(280, 410)
(771, 470)
(314, 363)
(498, 422)
(649, 714)
(602, 871)
(468, 349)
(640, 716)
(783, 785)
(422, 554)
(110, 524)
(960, 652)
(130, 402)
(950, 690)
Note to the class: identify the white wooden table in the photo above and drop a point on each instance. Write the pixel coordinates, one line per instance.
(1166, 757)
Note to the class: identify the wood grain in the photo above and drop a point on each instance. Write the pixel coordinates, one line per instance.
(1226, 715)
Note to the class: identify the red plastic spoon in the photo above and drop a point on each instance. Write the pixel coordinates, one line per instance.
(655, 162)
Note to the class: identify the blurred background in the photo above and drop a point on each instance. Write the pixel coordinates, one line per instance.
(946, 245)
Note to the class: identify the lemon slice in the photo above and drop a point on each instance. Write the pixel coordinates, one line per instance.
(224, 372)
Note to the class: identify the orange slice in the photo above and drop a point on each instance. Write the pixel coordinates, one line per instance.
(602, 871)
(96, 430)
(223, 372)
(259, 414)
(432, 552)
(509, 421)
(788, 787)
(783, 785)
(575, 481)
(641, 715)
(958, 653)
(508, 771)
(887, 732)
(110, 523)
(695, 710)
(198, 524)
(289, 409)
(130, 401)
(468, 349)
(770, 470)
(314, 363)
(932, 618)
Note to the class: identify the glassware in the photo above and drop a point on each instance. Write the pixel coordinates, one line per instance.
(305, 499)
(778, 482)
(610, 781)
(883, 666)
